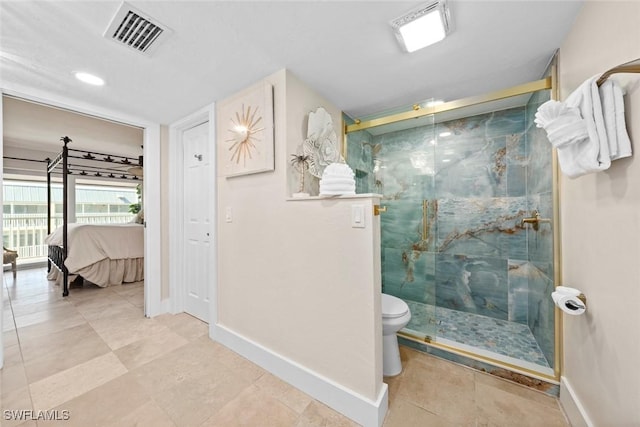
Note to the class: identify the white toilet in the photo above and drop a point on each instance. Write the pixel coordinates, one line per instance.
(395, 316)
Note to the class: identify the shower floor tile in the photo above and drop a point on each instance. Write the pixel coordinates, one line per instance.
(498, 336)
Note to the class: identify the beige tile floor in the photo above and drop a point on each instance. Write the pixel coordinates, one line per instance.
(94, 355)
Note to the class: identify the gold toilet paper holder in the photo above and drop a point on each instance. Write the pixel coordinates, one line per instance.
(582, 298)
(576, 306)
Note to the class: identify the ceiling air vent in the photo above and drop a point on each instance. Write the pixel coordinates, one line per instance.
(135, 30)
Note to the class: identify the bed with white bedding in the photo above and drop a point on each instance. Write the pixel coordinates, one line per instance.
(105, 254)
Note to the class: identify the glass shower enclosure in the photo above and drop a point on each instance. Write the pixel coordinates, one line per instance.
(467, 238)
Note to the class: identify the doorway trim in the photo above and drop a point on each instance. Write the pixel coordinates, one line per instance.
(176, 223)
(2, 222)
(151, 183)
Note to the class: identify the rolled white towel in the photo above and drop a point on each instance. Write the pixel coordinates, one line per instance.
(563, 124)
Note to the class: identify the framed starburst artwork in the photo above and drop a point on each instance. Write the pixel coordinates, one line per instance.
(245, 132)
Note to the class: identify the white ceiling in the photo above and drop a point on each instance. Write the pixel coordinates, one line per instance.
(35, 127)
(344, 49)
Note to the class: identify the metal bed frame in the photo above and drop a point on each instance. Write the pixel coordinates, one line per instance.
(85, 164)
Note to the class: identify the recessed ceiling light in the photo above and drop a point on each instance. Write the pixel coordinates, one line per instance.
(89, 78)
(444, 134)
(423, 26)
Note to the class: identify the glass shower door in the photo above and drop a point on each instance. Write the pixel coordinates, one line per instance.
(454, 247)
(398, 162)
(492, 271)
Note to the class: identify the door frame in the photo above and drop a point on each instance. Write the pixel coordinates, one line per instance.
(177, 287)
(151, 183)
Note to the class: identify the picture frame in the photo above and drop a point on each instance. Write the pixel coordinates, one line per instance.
(245, 125)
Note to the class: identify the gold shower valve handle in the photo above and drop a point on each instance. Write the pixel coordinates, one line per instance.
(377, 209)
(535, 220)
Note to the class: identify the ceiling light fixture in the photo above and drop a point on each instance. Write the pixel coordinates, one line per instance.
(423, 26)
(89, 78)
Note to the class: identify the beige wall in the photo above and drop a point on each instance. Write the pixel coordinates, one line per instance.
(293, 276)
(26, 168)
(601, 231)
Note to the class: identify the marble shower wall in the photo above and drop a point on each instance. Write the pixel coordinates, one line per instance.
(479, 176)
(473, 173)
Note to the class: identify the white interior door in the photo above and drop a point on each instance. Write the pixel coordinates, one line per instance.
(198, 230)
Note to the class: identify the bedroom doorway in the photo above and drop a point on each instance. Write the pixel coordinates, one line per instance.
(197, 220)
(48, 129)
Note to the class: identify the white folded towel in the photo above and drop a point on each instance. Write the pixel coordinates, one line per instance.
(624, 143)
(611, 96)
(609, 112)
(592, 154)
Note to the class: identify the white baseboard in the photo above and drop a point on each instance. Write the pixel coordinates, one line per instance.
(572, 407)
(360, 409)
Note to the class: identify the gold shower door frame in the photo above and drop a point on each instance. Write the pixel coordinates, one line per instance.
(548, 83)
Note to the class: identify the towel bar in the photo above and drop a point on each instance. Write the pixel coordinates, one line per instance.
(627, 67)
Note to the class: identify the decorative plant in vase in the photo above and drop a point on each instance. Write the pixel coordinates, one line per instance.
(134, 208)
(300, 162)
